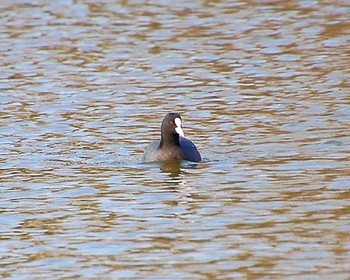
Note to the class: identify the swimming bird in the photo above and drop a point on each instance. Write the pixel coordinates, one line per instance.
(173, 145)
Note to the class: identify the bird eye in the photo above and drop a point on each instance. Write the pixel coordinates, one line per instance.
(171, 123)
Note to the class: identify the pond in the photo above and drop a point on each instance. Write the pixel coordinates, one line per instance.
(263, 91)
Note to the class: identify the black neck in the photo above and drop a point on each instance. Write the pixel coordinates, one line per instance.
(171, 139)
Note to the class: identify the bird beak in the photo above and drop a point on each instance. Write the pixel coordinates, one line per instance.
(178, 127)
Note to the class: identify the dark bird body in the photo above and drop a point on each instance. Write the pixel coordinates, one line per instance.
(173, 145)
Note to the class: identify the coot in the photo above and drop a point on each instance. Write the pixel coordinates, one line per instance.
(172, 145)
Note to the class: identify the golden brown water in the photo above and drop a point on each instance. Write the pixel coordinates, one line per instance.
(263, 89)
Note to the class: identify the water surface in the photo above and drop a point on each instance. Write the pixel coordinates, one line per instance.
(263, 89)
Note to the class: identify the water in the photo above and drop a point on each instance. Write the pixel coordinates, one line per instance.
(263, 90)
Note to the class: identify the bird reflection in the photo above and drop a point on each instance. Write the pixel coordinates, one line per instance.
(173, 168)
